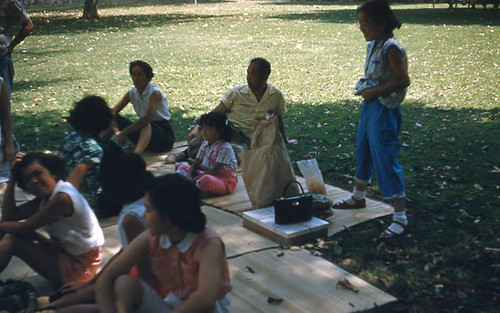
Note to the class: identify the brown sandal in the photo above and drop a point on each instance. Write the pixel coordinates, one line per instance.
(343, 205)
(387, 233)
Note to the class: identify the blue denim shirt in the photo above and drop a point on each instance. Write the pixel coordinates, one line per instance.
(378, 71)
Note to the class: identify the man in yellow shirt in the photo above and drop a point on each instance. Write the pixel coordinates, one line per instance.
(241, 104)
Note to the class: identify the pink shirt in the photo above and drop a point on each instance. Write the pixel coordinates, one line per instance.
(177, 266)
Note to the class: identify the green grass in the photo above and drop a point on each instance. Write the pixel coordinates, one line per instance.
(450, 131)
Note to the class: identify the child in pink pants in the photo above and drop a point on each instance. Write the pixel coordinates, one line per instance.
(214, 169)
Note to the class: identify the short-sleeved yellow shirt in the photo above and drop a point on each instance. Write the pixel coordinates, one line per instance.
(242, 106)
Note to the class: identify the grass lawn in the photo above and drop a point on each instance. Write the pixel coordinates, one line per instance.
(450, 136)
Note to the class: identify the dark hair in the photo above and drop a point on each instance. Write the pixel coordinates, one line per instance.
(177, 198)
(264, 66)
(219, 121)
(127, 179)
(380, 12)
(90, 115)
(54, 164)
(147, 69)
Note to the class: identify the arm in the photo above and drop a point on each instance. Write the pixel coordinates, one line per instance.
(6, 123)
(209, 279)
(137, 250)
(79, 173)
(215, 170)
(59, 205)
(23, 32)
(281, 128)
(401, 79)
(117, 109)
(133, 228)
(11, 212)
(121, 104)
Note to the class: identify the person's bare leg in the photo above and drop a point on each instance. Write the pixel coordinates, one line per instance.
(144, 139)
(398, 204)
(81, 308)
(360, 186)
(128, 293)
(36, 251)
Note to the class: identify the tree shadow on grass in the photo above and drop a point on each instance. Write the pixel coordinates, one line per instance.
(416, 16)
(117, 4)
(434, 142)
(60, 24)
(448, 156)
(41, 130)
(32, 84)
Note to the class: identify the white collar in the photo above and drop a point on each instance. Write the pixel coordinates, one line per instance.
(182, 246)
(269, 89)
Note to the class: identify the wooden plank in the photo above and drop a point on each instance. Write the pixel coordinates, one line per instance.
(305, 283)
(236, 238)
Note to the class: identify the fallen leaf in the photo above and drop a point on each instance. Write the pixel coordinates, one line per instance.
(345, 283)
(464, 213)
(274, 301)
(478, 187)
(495, 170)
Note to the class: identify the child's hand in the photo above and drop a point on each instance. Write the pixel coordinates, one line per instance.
(19, 156)
(368, 93)
(121, 137)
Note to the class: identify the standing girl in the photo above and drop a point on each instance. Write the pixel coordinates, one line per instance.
(187, 257)
(73, 251)
(152, 131)
(383, 88)
(214, 169)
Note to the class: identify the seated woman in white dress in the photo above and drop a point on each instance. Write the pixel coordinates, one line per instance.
(72, 253)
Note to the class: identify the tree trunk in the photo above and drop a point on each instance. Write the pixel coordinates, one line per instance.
(90, 9)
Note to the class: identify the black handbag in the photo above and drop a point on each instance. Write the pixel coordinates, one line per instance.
(294, 209)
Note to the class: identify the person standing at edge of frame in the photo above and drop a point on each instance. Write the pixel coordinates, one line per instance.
(12, 14)
(383, 88)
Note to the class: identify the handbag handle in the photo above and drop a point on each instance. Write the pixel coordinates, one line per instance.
(288, 185)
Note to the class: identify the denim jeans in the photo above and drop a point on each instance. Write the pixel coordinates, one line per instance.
(378, 147)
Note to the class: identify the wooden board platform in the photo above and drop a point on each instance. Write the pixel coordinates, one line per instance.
(260, 270)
